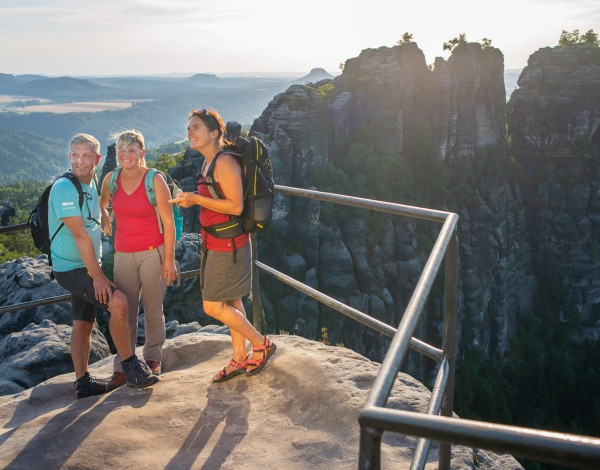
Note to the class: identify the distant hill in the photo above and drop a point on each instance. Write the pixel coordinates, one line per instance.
(29, 157)
(62, 87)
(7, 82)
(315, 75)
(29, 77)
(204, 79)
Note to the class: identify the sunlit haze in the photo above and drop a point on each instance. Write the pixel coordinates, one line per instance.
(131, 37)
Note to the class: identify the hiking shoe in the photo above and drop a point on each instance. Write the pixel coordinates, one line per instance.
(88, 386)
(116, 381)
(154, 367)
(137, 374)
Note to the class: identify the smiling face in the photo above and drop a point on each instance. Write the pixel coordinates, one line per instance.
(84, 160)
(199, 135)
(130, 156)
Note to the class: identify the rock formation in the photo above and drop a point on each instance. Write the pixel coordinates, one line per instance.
(387, 92)
(554, 123)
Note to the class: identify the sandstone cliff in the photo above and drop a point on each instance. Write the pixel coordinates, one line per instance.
(392, 97)
(554, 123)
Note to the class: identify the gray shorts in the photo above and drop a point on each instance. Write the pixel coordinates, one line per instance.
(83, 297)
(224, 280)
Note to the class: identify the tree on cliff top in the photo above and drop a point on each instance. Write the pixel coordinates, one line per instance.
(571, 38)
(451, 45)
(462, 39)
(407, 38)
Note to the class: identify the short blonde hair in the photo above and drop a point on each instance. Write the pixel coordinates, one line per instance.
(128, 137)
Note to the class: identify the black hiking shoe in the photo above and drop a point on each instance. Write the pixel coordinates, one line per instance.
(137, 374)
(88, 386)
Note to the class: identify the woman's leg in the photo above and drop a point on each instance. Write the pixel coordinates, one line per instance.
(230, 314)
(238, 341)
(127, 279)
(153, 293)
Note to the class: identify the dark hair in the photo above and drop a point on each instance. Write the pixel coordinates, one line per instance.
(212, 121)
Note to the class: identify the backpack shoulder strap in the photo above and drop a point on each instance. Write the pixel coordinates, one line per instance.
(71, 177)
(213, 188)
(112, 183)
(149, 185)
(151, 193)
(97, 183)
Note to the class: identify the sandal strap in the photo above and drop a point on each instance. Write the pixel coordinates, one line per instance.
(267, 344)
(252, 362)
(237, 365)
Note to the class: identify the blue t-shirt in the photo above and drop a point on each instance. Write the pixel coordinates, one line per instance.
(64, 202)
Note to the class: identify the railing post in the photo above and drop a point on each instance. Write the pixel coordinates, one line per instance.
(449, 346)
(369, 457)
(256, 305)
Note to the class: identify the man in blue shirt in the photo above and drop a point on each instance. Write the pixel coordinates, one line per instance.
(76, 252)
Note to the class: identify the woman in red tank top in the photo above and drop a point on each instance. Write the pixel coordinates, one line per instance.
(226, 261)
(144, 262)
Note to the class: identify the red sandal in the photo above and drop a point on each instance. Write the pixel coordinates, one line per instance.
(239, 369)
(267, 349)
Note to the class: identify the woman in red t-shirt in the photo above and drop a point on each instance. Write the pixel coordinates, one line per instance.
(226, 261)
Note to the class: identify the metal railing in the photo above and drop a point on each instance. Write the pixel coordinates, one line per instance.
(437, 423)
(444, 249)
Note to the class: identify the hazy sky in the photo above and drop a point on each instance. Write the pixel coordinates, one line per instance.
(113, 37)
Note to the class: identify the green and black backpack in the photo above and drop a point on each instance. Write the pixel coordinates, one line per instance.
(259, 188)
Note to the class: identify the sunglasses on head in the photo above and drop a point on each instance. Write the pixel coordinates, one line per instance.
(204, 112)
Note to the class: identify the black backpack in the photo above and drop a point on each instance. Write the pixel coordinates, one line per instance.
(259, 189)
(38, 218)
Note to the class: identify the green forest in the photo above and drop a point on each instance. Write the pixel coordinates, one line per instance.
(22, 196)
(29, 157)
(549, 380)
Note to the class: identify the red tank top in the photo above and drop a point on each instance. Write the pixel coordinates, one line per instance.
(136, 223)
(209, 217)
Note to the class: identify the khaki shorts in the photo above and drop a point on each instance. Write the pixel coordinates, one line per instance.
(222, 279)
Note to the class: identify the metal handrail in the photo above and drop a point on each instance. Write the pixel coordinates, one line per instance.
(445, 248)
(571, 450)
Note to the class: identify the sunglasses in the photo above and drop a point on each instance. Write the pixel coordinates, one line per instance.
(203, 112)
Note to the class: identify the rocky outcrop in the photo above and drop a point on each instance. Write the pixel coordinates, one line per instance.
(304, 407)
(26, 279)
(387, 94)
(40, 352)
(470, 100)
(554, 122)
(554, 110)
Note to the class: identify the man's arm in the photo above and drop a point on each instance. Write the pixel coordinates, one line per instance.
(102, 285)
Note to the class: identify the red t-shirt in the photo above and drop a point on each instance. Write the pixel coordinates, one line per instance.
(209, 217)
(136, 222)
